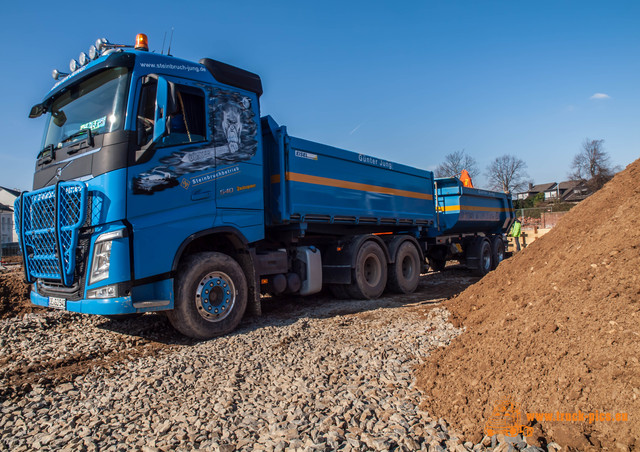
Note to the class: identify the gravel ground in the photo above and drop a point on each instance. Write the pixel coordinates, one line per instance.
(312, 374)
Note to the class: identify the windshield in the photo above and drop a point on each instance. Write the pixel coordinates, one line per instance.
(97, 104)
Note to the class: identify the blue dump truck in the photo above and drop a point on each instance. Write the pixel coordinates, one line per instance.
(160, 188)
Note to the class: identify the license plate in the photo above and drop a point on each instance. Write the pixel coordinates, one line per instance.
(57, 303)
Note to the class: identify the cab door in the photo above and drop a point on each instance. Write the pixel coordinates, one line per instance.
(164, 205)
(234, 114)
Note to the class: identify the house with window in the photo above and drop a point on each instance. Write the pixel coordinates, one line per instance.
(567, 191)
(573, 191)
(535, 189)
(7, 231)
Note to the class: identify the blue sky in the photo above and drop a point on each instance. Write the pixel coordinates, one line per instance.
(404, 81)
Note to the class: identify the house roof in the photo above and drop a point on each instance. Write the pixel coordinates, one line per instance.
(5, 208)
(570, 194)
(568, 185)
(15, 193)
(542, 187)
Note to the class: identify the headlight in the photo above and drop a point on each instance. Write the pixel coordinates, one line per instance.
(101, 262)
(102, 255)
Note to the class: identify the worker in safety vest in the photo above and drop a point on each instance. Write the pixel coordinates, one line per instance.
(515, 232)
(465, 178)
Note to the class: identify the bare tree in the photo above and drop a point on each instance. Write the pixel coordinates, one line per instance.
(507, 173)
(592, 165)
(455, 162)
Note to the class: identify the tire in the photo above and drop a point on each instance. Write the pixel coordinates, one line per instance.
(339, 291)
(404, 273)
(483, 253)
(497, 252)
(370, 275)
(211, 296)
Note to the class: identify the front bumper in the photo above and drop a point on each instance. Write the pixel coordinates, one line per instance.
(100, 306)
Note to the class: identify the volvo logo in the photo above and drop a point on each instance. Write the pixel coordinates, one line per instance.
(59, 172)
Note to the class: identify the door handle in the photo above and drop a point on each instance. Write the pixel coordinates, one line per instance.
(200, 195)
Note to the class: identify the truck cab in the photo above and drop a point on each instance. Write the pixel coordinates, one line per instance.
(143, 155)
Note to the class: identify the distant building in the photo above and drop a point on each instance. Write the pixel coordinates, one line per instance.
(567, 191)
(8, 196)
(7, 230)
(534, 190)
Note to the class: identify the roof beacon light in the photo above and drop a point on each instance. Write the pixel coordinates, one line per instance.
(142, 43)
(73, 65)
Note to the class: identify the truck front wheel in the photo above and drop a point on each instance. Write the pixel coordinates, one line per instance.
(210, 296)
(370, 275)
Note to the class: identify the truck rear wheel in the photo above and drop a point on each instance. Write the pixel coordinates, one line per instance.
(370, 274)
(404, 273)
(483, 253)
(497, 251)
(210, 296)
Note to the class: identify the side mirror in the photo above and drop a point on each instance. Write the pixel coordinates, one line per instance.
(160, 123)
(37, 110)
(59, 118)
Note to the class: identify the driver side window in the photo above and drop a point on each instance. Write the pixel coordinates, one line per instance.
(146, 112)
(187, 119)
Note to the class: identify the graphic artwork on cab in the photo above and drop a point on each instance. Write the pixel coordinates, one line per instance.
(232, 133)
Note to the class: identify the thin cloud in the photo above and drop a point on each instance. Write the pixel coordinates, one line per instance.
(598, 96)
(357, 127)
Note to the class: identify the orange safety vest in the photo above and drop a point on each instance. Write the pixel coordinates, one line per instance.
(466, 179)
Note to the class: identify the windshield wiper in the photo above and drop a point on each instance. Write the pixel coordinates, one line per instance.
(47, 154)
(77, 134)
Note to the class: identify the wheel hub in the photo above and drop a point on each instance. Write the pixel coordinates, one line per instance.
(215, 296)
(407, 267)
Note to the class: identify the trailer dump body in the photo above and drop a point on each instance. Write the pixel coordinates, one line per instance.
(312, 182)
(464, 210)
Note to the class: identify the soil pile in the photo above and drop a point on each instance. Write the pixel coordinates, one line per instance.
(556, 328)
(14, 295)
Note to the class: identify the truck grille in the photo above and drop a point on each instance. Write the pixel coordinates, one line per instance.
(47, 222)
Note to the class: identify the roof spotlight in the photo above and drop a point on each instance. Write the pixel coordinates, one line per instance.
(93, 52)
(83, 59)
(73, 65)
(102, 44)
(57, 75)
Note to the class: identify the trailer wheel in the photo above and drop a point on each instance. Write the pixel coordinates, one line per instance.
(483, 252)
(370, 274)
(210, 296)
(404, 273)
(497, 251)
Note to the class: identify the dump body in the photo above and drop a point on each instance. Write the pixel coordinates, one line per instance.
(312, 182)
(471, 210)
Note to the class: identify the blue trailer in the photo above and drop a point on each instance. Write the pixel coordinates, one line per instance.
(160, 188)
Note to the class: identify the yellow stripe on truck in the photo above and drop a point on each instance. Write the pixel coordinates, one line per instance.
(327, 182)
(474, 208)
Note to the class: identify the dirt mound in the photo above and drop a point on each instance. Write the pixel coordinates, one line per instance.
(14, 295)
(555, 329)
